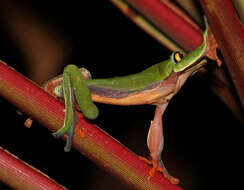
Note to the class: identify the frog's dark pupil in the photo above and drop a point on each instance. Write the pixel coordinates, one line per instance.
(181, 56)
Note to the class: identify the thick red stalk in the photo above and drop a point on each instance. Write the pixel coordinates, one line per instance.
(229, 34)
(96, 145)
(161, 15)
(19, 175)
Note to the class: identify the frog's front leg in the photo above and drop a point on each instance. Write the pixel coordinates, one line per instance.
(155, 143)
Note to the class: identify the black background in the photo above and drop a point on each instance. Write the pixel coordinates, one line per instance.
(203, 140)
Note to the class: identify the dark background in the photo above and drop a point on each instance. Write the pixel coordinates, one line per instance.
(203, 140)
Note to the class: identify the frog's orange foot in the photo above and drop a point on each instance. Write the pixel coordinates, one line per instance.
(79, 130)
(156, 167)
(78, 127)
(172, 179)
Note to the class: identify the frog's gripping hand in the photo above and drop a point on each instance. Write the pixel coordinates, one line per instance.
(74, 87)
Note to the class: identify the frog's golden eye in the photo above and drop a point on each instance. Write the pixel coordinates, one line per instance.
(177, 57)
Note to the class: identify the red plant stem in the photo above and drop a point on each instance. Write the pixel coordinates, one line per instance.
(19, 175)
(97, 145)
(161, 15)
(229, 34)
(145, 25)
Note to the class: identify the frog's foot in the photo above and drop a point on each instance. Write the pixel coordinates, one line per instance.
(78, 127)
(172, 179)
(69, 131)
(156, 167)
(79, 131)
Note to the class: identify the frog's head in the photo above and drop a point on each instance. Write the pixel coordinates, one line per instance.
(182, 63)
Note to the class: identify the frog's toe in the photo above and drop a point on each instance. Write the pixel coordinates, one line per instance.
(69, 130)
(57, 134)
(68, 142)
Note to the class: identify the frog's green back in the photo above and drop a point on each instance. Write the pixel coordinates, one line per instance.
(134, 82)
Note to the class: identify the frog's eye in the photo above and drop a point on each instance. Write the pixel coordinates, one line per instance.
(177, 57)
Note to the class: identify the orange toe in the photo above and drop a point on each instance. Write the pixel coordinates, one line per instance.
(172, 179)
(145, 160)
(78, 127)
(79, 115)
(152, 172)
(156, 167)
(149, 162)
(80, 131)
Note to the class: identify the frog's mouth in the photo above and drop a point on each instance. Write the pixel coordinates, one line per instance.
(195, 67)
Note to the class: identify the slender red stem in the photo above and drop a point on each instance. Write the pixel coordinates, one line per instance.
(182, 31)
(96, 145)
(19, 175)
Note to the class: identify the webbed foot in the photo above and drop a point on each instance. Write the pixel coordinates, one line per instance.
(78, 127)
(156, 167)
(69, 131)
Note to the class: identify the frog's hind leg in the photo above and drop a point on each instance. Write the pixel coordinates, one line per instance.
(69, 139)
(70, 117)
(155, 142)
